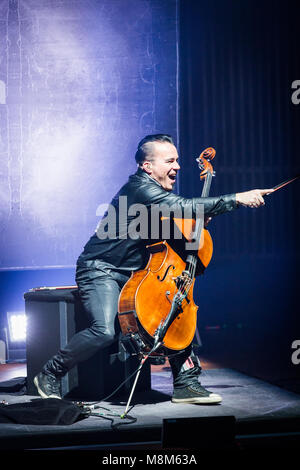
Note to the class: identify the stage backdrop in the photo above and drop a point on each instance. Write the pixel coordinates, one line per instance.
(239, 61)
(81, 81)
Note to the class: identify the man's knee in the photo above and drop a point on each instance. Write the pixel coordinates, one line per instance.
(103, 334)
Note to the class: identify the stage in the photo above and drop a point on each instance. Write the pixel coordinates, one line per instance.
(253, 415)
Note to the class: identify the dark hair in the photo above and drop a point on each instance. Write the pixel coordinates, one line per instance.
(143, 151)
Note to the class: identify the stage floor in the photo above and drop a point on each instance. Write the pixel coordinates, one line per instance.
(259, 409)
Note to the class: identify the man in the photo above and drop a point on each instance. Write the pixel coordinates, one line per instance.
(106, 264)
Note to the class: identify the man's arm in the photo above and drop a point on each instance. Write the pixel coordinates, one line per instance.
(153, 194)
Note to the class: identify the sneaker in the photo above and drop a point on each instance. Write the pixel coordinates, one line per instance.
(47, 385)
(195, 393)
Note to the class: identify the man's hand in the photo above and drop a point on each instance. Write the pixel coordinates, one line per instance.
(253, 198)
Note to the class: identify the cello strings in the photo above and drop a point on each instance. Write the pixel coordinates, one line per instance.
(186, 284)
(184, 288)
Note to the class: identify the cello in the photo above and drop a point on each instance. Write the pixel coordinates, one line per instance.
(156, 310)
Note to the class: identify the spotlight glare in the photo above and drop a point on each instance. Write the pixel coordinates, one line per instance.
(17, 326)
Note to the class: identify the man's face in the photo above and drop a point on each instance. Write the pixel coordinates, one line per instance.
(162, 164)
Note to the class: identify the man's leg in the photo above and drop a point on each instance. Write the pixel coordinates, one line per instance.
(186, 370)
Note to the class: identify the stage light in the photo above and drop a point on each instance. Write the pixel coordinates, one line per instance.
(16, 326)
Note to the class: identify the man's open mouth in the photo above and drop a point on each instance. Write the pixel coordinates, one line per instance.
(172, 177)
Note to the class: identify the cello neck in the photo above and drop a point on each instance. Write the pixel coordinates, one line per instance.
(192, 259)
(207, 185)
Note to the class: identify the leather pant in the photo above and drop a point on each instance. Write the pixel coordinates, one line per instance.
(99, 286)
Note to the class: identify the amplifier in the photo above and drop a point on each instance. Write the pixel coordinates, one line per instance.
(54, 315)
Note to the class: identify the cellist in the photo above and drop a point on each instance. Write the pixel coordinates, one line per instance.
(106, 264)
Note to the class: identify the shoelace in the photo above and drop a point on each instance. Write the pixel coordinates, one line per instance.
(53, 384)
(197, 387)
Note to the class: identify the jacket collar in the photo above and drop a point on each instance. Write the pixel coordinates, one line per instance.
(143, 174)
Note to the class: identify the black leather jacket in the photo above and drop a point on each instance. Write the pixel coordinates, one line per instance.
(126, 254)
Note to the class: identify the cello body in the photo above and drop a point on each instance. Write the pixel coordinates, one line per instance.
(146, 299)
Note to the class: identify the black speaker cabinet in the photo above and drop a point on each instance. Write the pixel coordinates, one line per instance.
(53, 316)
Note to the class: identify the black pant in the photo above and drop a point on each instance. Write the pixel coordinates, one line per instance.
(99, 287)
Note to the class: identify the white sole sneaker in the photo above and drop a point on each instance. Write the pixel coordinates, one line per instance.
(213, 398)
(41, 393)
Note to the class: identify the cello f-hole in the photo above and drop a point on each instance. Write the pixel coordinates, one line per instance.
(164, 276)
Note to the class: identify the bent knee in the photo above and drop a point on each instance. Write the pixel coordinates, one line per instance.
(105, 334)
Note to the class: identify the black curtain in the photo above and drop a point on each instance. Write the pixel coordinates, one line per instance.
(238, 60)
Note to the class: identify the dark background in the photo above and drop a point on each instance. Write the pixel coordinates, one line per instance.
(238, 60)
(83, 80)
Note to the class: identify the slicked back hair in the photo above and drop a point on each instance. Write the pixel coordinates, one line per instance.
(144, 149)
